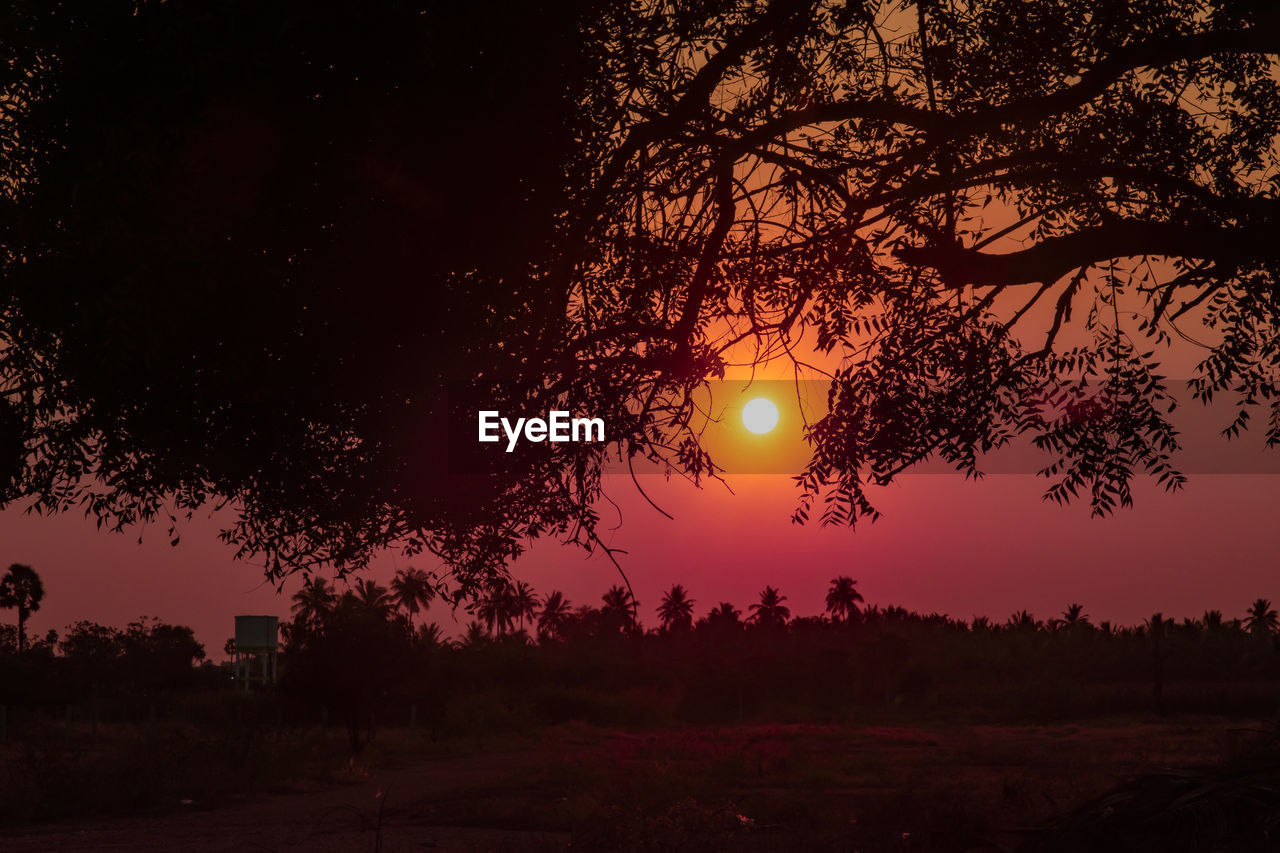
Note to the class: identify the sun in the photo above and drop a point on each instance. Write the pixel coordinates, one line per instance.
(760, 415)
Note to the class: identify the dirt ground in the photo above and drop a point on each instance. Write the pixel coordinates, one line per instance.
(345, 817)
(777, 787)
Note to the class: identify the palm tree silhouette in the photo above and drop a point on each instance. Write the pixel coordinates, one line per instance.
(313, 601)
(374, 597)
(676, 609)
(431, 636)
(1212, 620)
(1023, 621)
(523, 603)
(722, 618)
(843, 599)
(770, 610)
(497, 609)
(620, 608)
(1262, 621)
(21, 589)
(475, 636)
(553, 615)
(1074, 616)
(412, 591)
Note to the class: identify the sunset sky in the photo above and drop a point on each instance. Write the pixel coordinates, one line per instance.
(944, 544)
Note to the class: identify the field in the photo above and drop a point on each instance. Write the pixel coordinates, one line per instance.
(889, 732)
(927, 786)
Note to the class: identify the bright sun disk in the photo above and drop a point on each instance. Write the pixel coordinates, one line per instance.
(760, 415)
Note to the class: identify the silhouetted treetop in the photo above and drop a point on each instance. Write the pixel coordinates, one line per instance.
(21, 589)
(244, 249)
(251, 251)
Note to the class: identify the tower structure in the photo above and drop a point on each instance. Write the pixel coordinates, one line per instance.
(257, 650)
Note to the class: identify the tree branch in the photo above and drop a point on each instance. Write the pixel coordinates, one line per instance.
(1054, 257)
(1092, 82)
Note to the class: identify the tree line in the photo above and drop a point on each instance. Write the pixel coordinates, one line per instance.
(526, 658)
(87, 660)
(513, 610)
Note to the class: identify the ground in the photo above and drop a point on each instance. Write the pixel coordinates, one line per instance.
(927, 787)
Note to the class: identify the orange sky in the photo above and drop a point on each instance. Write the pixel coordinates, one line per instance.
(944, 544)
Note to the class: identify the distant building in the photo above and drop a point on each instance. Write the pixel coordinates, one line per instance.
(257, 650)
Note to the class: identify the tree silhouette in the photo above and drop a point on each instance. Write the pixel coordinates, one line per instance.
(723, 619)
(523, 603)
(1023, 621)
(843, 598)
(432, 636)
(676, 610)
(496, 609)
(158, 655)
(1262, 620)
(770, 611)
(89, 642)
(313, 601)
(1158, 628)
(475, 636)
(1074, 616)
(359, 651)
(21, 589)
(620, 610)
(412, 590)
(554, 613)
(371, 596)
(951, 199)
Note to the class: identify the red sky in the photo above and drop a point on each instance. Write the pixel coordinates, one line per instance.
(944, 544)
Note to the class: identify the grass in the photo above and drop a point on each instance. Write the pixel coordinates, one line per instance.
(937, 787)
(870, 785)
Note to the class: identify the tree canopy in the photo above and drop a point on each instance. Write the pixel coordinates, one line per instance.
(251, 253)
(21, 589)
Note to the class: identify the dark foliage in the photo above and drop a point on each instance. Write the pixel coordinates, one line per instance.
(244, 258)
(92, 663)
(349, 658)
(599, 666)
(357, 657)
(22, 590)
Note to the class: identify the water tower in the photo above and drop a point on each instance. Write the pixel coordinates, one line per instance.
(257, 642)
